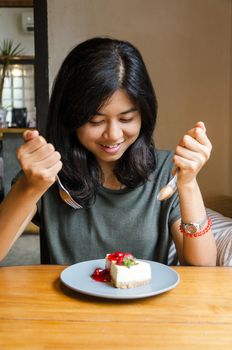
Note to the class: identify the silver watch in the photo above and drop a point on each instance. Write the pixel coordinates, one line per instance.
(193, 227)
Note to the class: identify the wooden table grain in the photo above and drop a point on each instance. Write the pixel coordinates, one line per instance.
(38, 312)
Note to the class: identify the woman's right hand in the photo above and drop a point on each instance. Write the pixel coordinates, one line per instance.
(39, 161)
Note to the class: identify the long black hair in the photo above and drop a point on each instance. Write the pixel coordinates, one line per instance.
(90, 74)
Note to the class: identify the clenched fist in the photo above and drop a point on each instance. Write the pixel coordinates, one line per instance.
(192, 153)
(39, 160)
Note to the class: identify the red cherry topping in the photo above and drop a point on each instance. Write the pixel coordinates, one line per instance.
(101, 275)
(119, 257)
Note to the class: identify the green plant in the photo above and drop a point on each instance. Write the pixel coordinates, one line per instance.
(7, 50)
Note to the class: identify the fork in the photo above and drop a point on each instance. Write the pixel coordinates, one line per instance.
(65, 195)
(168, 190)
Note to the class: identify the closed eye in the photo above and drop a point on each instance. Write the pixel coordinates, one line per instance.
(99, 122)
(126, 120)
(124, 117)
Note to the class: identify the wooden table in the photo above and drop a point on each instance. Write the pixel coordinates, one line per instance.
(38, 312)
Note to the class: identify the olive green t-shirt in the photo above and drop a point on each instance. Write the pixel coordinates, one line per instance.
(129, 220)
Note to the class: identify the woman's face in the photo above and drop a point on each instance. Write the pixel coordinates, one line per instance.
(112, 130)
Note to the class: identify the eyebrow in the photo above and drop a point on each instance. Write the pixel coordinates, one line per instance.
(130, 110)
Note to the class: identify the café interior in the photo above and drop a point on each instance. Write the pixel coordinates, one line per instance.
(188, 51)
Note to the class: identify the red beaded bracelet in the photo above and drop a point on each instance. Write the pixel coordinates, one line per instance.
(197, 234)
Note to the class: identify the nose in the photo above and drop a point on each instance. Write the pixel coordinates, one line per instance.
(113, 131)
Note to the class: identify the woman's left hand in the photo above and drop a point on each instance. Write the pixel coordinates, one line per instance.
(192, 153)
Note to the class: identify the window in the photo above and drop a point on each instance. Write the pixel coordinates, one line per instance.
(19, 92)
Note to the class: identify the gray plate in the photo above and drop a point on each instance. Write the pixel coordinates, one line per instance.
(78, 278)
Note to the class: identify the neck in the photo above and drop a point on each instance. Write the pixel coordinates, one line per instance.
(110, 181)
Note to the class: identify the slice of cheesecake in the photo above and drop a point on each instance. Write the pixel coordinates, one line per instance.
(126, 271)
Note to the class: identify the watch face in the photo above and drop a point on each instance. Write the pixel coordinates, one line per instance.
(190, 228)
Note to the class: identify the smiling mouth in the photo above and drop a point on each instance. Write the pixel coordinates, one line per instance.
(111, 148)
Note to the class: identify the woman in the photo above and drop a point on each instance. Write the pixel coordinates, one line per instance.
(101, 120)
